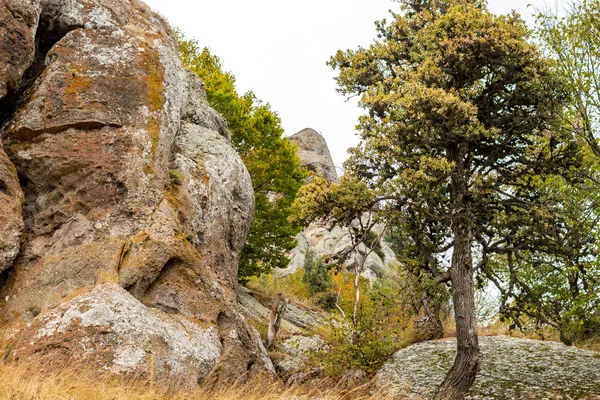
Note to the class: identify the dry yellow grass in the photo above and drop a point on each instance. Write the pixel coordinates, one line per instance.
(18, 382)
(33, 380)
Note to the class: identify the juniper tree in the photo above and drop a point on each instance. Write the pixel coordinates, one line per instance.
(461, 120)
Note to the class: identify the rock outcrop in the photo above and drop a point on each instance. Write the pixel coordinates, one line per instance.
(332, 241)
(314, 153)
(512, 368)
(120, 238)
(297, 349)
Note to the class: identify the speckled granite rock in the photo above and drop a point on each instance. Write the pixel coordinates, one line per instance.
(512, 368)
(127, 180)
(296, 320)
(314, 153)
(297, 349)
(327, 241)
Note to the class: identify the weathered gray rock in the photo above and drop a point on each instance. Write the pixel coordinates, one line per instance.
(11, 221)
(427, 328)
(297, 349)
(296, 320)
(512, 368)
(333, 242)
(18, 24)
(314, 153)
(109, 326)
(355, 378)
(128, 180)
(325, 240)
(198, 112)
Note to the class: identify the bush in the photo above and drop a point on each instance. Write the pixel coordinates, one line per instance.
(382, 328)
(266, 287)
(316, 275)
(327, 300)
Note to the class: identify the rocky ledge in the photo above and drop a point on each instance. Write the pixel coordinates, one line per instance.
(512, 368)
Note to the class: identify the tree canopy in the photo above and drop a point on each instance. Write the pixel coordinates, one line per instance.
(270, 158)
(462, 125)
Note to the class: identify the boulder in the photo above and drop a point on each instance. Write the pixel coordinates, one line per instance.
(332, 242)
(297, 349)
(296, 320)
(12, 228)
(135, 206)
(512, 368)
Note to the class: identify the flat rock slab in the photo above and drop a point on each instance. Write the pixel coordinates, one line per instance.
(512, 368)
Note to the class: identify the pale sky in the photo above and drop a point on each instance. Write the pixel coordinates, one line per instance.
(278, 49)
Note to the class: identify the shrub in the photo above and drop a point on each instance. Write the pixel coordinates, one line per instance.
(316, 275)
(327, 300)
(382, 328)
(177, 176)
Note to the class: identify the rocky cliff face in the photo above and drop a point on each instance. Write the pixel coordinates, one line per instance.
(123, 207)
(326, 240)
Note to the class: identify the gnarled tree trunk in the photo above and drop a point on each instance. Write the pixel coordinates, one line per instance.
(468, 357)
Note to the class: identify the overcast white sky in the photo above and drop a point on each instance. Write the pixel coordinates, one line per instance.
(278, 49)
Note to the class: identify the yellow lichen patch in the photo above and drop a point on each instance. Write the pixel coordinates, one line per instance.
(150, 61)
(77, 82)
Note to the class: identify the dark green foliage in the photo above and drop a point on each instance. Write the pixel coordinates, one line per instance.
(462, 121)
(316, 275)
(327, 300)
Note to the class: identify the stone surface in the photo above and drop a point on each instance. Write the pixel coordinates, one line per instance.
(512, 368)
(127, 179)
(314, 153)
(18, 23)
(297, 349)
(427, 328)
(11, 221)
(331, 242)
(296, 320)
(109, 326)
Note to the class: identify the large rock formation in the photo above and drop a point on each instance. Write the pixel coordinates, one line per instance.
(512, 368)
(120, 238)
(314, 153)
(326, 240)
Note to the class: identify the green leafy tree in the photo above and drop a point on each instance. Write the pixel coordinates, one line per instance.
(573, 40)
(271, 159)
(349, 204)
(462, 121)
(553, 280)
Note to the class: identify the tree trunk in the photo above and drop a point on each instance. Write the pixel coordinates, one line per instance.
(277, 311)
(356, 293)
(468, 358)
